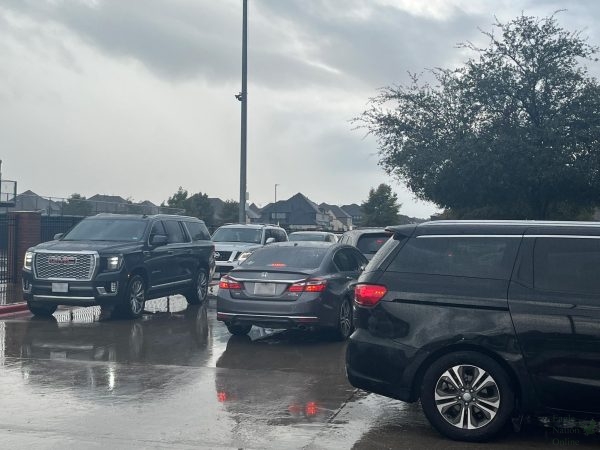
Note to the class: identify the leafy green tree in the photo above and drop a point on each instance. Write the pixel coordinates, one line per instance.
(178, 199)
(198, 206)
(381, 208)
(76, 205)
(230, 212)
(512, 133)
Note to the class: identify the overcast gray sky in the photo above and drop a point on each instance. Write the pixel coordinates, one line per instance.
(136, 98)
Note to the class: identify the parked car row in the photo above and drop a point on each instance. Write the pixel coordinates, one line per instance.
(484, 322)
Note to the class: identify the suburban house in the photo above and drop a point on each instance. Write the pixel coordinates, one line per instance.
(340, 219)
(296, 213)
(30, 201)
(108, 204)
(355, 211)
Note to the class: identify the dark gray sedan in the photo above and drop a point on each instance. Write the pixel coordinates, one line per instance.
(302, 285)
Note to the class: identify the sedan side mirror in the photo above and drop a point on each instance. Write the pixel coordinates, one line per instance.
(157, 240)
(269, 240)
(57, 236)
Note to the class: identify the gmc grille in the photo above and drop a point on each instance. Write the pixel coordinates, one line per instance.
(64, 266)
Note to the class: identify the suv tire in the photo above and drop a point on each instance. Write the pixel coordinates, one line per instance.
(239, 329)
(467, 396)
(197, 294)
(41, 310)
(135, 298)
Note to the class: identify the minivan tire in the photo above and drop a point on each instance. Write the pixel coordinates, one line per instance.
(199, 291)
(239, 329)
(486, 405)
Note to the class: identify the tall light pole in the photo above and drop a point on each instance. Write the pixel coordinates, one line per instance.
(243, 97)
(276, 192)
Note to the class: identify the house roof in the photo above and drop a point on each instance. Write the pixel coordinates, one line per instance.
(107, 198)
(338, 212)
(353, 209)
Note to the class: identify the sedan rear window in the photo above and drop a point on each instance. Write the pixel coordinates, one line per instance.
(282, 257)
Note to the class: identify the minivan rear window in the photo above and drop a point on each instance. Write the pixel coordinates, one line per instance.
(567, 265)
(476, 257)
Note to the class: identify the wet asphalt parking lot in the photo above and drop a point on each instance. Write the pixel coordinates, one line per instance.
(177, 379)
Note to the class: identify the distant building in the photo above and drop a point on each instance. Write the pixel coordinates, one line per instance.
(30, 201)
(356, 212)
(341, 220)
(108, 204)
(296, 213)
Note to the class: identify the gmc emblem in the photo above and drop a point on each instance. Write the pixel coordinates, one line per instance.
(70, 260)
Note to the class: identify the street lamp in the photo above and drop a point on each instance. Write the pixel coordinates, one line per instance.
(243, 98)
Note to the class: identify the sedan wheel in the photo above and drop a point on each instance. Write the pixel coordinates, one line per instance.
(345, 325)
(467, 396)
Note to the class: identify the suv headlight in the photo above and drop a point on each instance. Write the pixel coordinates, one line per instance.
(28, 260)
(114, 262)
(244, 256)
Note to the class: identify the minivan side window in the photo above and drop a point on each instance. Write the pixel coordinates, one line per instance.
(569, 265)
(475, 257)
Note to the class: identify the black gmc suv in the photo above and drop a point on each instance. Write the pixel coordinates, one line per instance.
(120, 261)
(483, 321)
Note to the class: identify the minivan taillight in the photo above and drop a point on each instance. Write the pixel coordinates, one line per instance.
(368, 294)
(230, 284)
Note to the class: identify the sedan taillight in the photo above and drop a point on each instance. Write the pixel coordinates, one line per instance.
(314, 285)
(230, 284)
(369, 294)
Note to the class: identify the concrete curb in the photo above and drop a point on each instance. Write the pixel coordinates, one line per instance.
(13, 308)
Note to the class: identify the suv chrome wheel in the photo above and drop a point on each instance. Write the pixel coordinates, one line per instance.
(136, 296)
(467, 397)
(197, 294)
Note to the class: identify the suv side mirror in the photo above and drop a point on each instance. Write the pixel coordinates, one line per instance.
(57, 236)
(158, 239)
(270, 240)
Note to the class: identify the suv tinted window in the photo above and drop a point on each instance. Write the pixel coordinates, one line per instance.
(197, 231)
(370, 243)
(174, 232)
(567, 265)
(476, 257)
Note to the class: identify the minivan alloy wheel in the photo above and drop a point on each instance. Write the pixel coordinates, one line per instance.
(467, 396)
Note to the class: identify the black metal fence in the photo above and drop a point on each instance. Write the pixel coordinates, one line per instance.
(52, 225)
(7, 228)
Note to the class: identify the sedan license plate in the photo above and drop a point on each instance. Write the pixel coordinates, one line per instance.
(265, 288)
(60, 287)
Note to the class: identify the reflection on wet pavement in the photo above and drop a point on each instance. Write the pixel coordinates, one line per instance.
(177, 378)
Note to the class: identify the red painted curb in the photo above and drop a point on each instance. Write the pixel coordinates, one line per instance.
(13, 308)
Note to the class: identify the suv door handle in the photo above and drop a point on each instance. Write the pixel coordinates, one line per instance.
(169, 252)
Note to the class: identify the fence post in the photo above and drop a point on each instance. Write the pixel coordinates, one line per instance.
(24, 232)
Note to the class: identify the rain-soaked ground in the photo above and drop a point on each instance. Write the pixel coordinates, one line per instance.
(177, 379)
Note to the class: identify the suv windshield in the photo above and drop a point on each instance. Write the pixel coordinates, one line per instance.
(251, 235)
(125, 230)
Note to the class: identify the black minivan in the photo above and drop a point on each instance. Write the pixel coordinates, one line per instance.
(483, 321)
